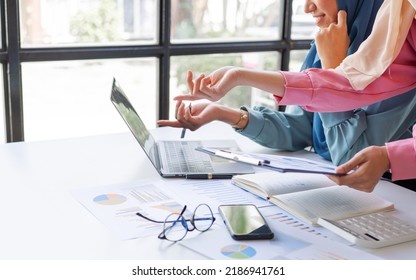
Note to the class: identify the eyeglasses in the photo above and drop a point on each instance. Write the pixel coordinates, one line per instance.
(175, 226)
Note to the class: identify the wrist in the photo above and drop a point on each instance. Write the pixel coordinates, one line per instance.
(237, 118)
(242, 121)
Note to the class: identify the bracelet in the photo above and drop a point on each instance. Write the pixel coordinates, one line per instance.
(243, 116)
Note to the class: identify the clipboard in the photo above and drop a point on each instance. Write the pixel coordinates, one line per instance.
(273, 162)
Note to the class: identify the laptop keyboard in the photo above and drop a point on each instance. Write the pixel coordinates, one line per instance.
(184, 159)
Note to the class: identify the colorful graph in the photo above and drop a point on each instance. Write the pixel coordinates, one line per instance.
(172, 207)
(110, 199)
(238, 251)
(290, 221)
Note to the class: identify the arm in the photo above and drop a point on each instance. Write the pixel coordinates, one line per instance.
(217, 84)
(314, 89)
(279, 130)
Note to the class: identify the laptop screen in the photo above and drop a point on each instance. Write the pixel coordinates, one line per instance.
(135, 123)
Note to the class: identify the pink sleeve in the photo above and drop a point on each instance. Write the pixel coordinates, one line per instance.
(320, 90)
(402, 156)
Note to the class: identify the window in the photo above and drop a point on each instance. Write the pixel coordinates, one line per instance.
(69, 97)
(2, 114)
(214, 21)
(51, 23)
(60, 57)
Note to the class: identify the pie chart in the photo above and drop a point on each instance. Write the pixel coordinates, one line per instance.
(238, 251)
(110, 199)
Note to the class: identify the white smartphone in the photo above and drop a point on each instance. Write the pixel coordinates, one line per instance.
(245, 222)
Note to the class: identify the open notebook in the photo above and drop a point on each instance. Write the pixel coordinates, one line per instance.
(311, 196)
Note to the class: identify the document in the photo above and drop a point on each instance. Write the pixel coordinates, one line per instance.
(116, 206)
(311, 196)
(273, 162)
(217, 243)
(214, 193)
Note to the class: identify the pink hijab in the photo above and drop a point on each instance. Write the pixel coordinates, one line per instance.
(390, 30)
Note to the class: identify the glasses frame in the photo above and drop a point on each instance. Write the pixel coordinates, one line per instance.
(181, 219)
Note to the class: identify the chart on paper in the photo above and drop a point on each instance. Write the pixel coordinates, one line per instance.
(215, 193)
(116, 207)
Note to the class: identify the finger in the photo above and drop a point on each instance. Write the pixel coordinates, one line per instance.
(177, 107)
(190, 81)
(335, 179)
(188, 114)
(178, 104)
(197, 84)
(186, 98)
(350, 165)
(206, 86)
(180, 112)
(342, 18)
(169, 123)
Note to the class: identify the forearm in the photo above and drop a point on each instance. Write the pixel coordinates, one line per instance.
(269, 81)
(231, 116)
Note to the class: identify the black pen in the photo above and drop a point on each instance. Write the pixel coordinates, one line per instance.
(209, 176)
(183, 133)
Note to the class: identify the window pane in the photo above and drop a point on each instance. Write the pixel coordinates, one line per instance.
(296, 59)
(207, 63)
(88, 22)
(232, 20)
(74, 99)
(303, 25)
(2, 117)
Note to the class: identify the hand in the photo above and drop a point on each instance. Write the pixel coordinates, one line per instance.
(192, 117)
(332, 42)
(370, 165)
(212, 87)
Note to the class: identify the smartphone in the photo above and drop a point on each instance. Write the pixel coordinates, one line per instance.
(245, 222)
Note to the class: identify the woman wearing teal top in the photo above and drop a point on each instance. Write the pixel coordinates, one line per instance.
(335, 136)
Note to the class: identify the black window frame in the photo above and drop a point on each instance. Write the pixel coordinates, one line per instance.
(12, 55)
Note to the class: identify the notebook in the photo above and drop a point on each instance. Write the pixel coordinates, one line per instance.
(177, 158)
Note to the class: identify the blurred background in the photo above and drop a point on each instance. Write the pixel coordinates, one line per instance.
(59, 57)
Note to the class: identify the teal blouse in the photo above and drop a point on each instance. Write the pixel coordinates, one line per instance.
(346, 132)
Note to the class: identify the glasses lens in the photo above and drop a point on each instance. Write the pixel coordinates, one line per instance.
(175, 227)
(203, 217)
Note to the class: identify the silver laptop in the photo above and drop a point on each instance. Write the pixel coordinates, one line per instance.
(177, 158)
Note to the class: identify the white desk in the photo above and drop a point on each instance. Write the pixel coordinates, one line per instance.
(40, 219)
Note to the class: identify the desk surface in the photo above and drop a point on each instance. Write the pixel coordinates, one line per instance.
(40, 219)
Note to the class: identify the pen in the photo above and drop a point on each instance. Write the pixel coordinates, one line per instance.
(209, 176)
(183, 133)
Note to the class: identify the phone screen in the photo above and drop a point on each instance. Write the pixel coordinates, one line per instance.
(244, 221)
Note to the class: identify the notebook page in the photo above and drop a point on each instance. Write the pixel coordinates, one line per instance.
(334, 203)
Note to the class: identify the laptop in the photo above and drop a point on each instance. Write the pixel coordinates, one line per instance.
(177, 158)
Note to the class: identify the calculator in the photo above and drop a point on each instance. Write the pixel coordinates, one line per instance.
(372, 230)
